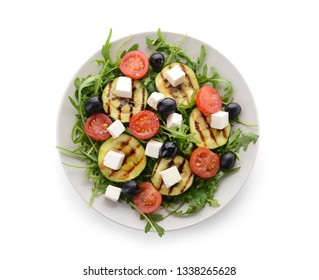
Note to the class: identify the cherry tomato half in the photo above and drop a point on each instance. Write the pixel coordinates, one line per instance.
(204, 162)
(148, 199)
(96, 126)
(144, 124)
(208, 100)
(134, 64)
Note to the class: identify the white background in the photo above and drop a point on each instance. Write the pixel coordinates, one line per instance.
(269, 231)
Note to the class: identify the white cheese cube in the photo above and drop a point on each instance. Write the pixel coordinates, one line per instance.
(170, 176)
(174, 120)
(112, 193)
(219, 120)
(154, 98)
(116, 128)
(153, 148)
(124, 87)
(175, 76)
(114, 159)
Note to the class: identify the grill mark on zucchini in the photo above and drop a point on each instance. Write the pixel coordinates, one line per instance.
(207, 126)
(183, 167)
(134, 161)
(134, 166)
(110, 85)
(126, 161)
(162, 76)
(187, 181)
(124, 108)
(182, 92)
(180, 170)
(209, 137)
(144, 93)
(168, 165)
(201, 135)
(124, 144)
(190, 82)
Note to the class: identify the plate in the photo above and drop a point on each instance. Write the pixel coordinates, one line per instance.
(121, 212)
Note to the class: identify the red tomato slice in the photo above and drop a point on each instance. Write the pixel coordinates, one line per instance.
(208, 100)
(144, 124)
(96, 126)
(134, 64)
(148, 199)
(204, 162)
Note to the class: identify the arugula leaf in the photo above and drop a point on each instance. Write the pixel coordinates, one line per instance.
(152, 223)
(237, 140)
(196, 197)
(107, 47)
(225, 87)
(181, 136)
(244, 140)
(174, 52)
(185, 109)
(152, 220)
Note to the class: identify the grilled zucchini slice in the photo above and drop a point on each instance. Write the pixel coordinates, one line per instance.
(120, 108)
(184, 169)
(208, 137)
(184, 91)
(134, 162)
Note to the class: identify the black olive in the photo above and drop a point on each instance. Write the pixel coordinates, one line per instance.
(168, 150)
(233, 109)
(157, 61)
(227, 160)
(167, 106)
(130, 188)
(93, 105)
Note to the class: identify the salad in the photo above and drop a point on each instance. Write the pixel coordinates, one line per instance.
(156, 129)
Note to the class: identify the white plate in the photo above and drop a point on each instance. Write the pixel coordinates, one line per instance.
(122, 213)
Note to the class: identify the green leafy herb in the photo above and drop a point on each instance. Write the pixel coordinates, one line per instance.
(195, 198)
(152, 220)
(181, 136)
(225, 87)
(186, 109)
(237, 140)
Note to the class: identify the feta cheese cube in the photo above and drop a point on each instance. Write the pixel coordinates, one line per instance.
(175, 76)
(174, 120)
(114, 159)
(154, 98)
(170, 176)
(116, 128)
(112, 193)
(124, 87)
(219, 120)
(153, 148)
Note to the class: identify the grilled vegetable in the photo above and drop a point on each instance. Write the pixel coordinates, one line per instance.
(208, 137)
(184, 91)
(134, 162)
(184, 169)
(120, 108)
